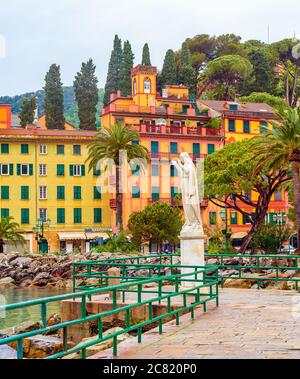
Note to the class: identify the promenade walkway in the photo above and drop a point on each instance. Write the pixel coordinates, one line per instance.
(248, 324)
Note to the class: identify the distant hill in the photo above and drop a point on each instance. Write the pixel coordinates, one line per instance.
(70, 106)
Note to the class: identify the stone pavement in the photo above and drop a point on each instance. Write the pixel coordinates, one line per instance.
(248, 324)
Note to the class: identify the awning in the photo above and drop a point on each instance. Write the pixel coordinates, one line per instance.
(95, 235)
(66, 236)
(239, 235)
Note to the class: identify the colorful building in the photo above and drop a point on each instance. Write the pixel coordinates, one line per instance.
(168, 124)
(243, 121)
(43, 176)
(5, 116)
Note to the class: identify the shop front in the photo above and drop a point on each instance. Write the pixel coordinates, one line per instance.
(80, 242)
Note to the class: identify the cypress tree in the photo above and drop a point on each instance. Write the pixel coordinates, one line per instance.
(169, 69)
(146, 56)
(28, 108)
(86, 94)
(186, 73)
(54, 99)
(113, 74)
(125, 75)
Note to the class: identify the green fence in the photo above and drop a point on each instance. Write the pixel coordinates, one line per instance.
(168, 290)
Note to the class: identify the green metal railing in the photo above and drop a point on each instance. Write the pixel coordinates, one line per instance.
(201, 290)
(253, 263)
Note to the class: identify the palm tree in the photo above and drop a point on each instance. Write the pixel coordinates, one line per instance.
(10, 232)
(108, 145)
(279, 148)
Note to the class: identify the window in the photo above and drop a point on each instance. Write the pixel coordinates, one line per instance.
(136, 192)
(60, 170)
(43, 169)
(97, 215)
(96, 172)
(77, 216)
(97, 193)
(173, 147)
(278, 196)
(174, 192)
(232, 197)
(196, 149)
(134, 87)
(155, 193)
(135, 142)
(154, 146)
(4, 148)
(231, 126)
(60, 192)
(4, 212)
(60, 149)
(173, 171)
(77, 193)
(61, 216)
(5, 193)
(233, 107)
(210, 148)
(248, 195)
(119, 120)
(147, 85)
(25, 216)
(24, 169)
(24, 148)
(43, 213)
(233, 218)
(25, 193)
(135, 169)
(43, 192)
(246, 126)
(212, 218)
(43, 149)
(76, 149)
(263, 126)
(77, 170)
(155, 170)
(4, 169)
(246, 219)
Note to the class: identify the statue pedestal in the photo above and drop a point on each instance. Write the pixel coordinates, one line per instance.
(192, 252)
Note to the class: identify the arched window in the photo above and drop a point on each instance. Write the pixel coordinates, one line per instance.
(147, 85)
(134, 87)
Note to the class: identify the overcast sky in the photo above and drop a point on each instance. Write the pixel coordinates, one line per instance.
(38, 33)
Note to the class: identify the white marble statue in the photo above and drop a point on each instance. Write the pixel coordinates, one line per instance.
(189, 190)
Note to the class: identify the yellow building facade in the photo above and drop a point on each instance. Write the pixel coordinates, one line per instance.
(44, 176)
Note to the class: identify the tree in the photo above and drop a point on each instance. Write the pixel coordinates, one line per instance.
(168, 75)
(229, 71)
(269, 238)
(264, 97)
(186, 73)
(27, 111)
(109, 144)
(279, 149)
(86, 93)
(54, 99)
(157, 223)
(125, 74)
(146, 56)
(229, 178)
(10, 232)
(114, 68)
(116, 244)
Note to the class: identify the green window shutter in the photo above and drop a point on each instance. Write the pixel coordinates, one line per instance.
(97, 215)
(136, 192)
(246, 219)
(174, 192)
(135, 142)
(77, 215)
(210, 148)
(155, 193)
(77, 192)
(233, 107)
(154, 147)
(97, 193)
(173, 147)
(24, 148)
(4, 148)
(25, 216)
(60, 149)
(212, 218)
(83, 170)
(31, 169)
(71, 170)
(96, 172)
(11, 169)
(24, 193)
(60, 191)
(135, 170)
(18, 169)
(246, 126)
(196, 148)
(4, 212)
(233, 218)
(76, 149)
(263, 126)
(174, 171)
(60, 170)
(231, 126)
(61, 217)
(5, 193)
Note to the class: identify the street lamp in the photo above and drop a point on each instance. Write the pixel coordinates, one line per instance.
(39, 230)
